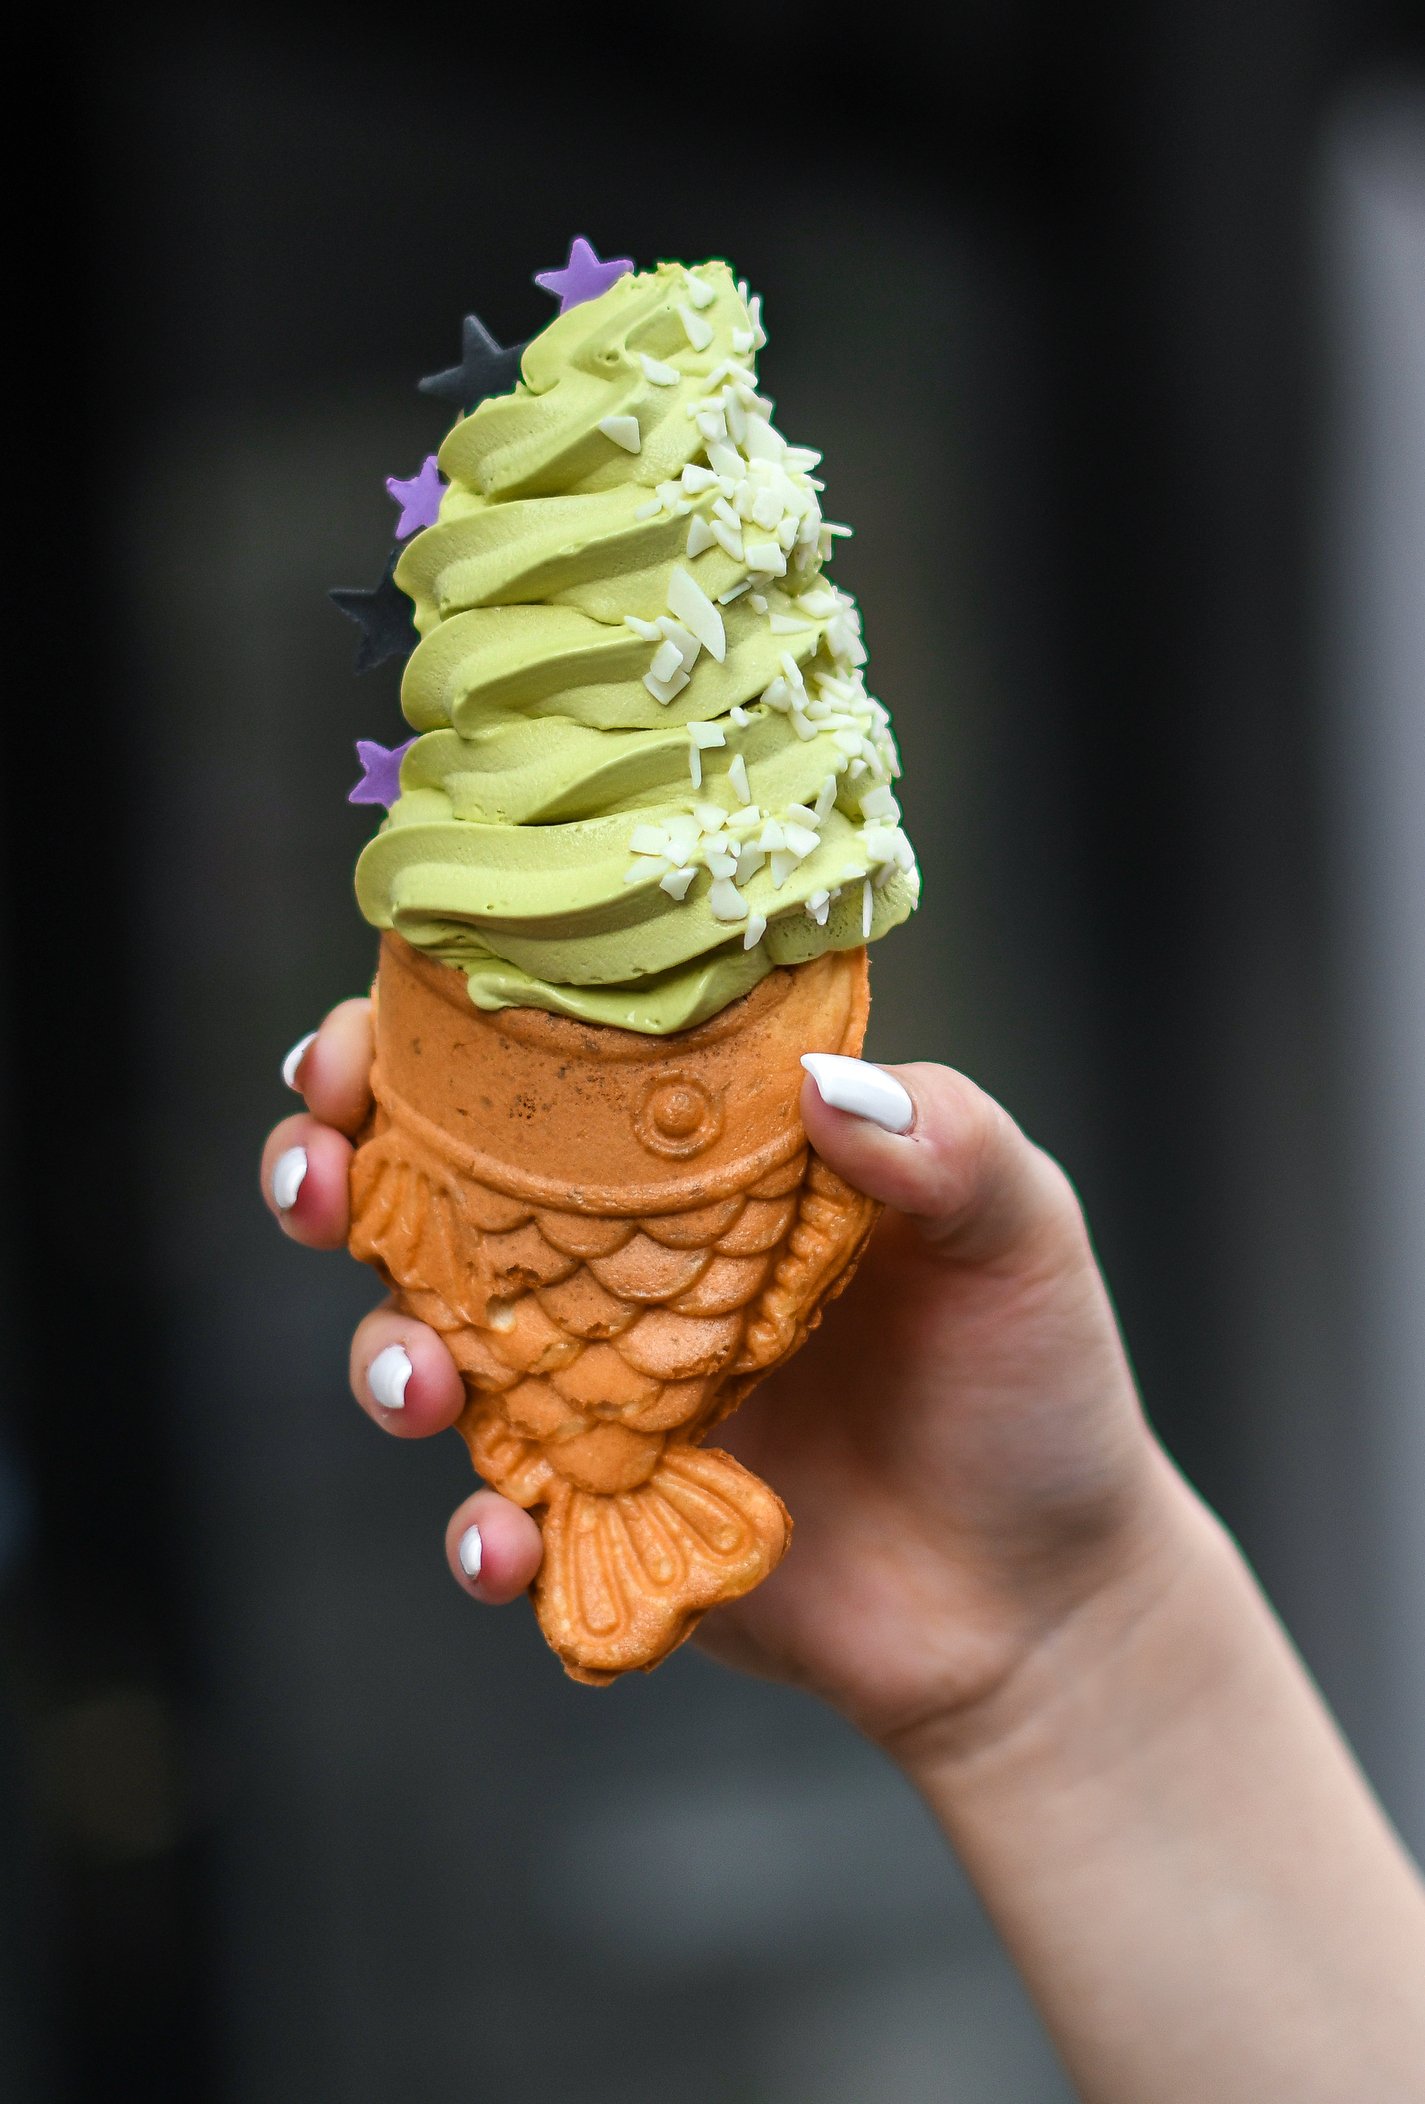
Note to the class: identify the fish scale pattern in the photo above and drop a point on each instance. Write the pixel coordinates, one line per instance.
(597, 1350)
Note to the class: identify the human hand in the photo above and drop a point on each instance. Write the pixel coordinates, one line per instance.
(960, 1443)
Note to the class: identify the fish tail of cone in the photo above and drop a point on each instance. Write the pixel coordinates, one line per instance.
(510, 1152)
(628, 1576)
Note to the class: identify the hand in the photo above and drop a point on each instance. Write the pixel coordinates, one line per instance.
(960, 1443)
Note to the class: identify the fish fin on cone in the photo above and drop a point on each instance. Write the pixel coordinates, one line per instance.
(627, 1575)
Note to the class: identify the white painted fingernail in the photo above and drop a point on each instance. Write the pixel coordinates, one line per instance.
(471, 1552)
(865, 1091)
(288, 1176)
(295, 1057)
(387, 1376)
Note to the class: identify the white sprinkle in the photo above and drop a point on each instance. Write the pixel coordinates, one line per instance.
(713, 424)
(707, 734)
(737, 775)
(766, 510)
(754, 310)
(738, 715)
(667, 660)
(843, 533)
(766, 555)
(698, 332)
(676, 882)
(803, 814)
(819, 602)
(742, 341)
(664, 689)
(801, 841)
(660, 374)
(696, 479)
(790, 667)
(725, 460)
(734, 591)
(726, 900)
(699, 291)
(773, 840)
(788, 625)
(683, 640)
(722, 863)
(700, 535)
(818, 906)
(709, 817)
(802, 459)
(695, 766)
(683, 831)
(758, 603)
(648, 840)
(646, 511)
(763, 443)
(825, 800)
(804, 729)
(691, 604)
(878, 802)
(624, 431)
(782, 867)
(756, 929)
(670, 496)
(727, 540)
(866, 897)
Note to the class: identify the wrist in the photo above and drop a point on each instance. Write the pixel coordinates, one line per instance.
(1133, 1641)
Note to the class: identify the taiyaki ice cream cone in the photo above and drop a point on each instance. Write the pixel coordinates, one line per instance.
(617, 1235)
(632, 860)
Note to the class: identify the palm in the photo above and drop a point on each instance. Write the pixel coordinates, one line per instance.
(936, 1452)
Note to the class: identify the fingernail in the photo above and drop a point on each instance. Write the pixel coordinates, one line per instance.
(471, 1552)
(865, 1091)
(387, 1376)
(295, 1057)
(287, 1177)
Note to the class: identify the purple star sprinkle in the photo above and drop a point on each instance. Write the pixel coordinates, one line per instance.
(583, 277)
(381, 781)
(419, 498)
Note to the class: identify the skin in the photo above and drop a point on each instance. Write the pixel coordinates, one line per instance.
(1001, 1579)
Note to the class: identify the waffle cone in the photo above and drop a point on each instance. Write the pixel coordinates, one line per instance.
(618, 1236)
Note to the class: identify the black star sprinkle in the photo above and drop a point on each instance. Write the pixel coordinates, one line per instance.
(384, 615)
(484, 368)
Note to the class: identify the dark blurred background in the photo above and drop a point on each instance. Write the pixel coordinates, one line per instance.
(1111, 322)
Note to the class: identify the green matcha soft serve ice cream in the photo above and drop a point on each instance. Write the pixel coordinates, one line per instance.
(648, 769)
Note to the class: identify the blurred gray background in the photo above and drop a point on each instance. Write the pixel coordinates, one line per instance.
(1112, 330)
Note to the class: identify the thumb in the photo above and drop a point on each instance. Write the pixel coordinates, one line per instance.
(927, 1141)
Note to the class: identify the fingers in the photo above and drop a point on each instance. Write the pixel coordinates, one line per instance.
(929, 1142)
(493, 1548)
(305, 1170)
(403, 1376)
(331, 1067)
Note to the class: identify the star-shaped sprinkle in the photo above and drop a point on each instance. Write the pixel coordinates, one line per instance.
(384, 615)
(381, 772)
(484, 369)
(583, 277)
(419, 497)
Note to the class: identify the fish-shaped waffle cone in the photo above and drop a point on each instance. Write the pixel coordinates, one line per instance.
(617, 1235)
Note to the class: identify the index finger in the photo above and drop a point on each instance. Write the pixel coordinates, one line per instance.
(334, 1071)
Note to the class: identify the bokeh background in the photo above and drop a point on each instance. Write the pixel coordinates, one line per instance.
(1111, 322)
